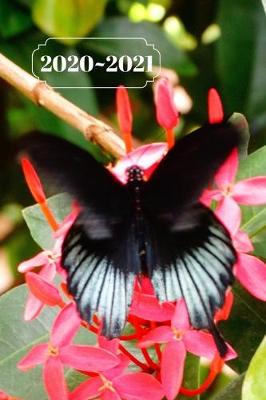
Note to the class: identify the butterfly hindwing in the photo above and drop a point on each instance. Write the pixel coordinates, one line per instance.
(194, 263)
(101, 271)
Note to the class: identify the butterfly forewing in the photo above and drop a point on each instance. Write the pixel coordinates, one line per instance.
(63, 166)
(189, 167)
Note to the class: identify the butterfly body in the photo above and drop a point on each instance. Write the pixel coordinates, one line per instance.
(155, 227)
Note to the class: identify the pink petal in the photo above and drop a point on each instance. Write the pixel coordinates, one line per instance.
(145, 286)
(107, 344)
(110, 395)
(229, 213)
(242, 242)
(33, 307)
(36, 261)
(227, 172)
(35, 357)
(33, 181)
(4, 396)
(180, 319)
(138, 386)
(48, 272)
(166, 111)
(251, 191)
(251, 272)
(124, 112)
(54, 381)
(172, 368)
(43, 290)
(124, 362)
(65, 326)
(87, 390)
(88, 358)
(215, 107)
(144, 156)
(64, 226)
(202, 344)
(33, 304)
(208, 195)
(162, 334)
(148, 307)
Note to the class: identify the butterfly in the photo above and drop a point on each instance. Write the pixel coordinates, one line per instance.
(152, 227)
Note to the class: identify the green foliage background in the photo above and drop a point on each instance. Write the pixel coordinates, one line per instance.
(220, 43)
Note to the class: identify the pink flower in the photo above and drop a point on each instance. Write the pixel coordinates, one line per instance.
(146, 157)
(124, 115)
(5, 396)
(42, 292)
(251, 191)
(33, 181)
(215, 107)
(249, 270)
(180, 338)
(47, 260)
(114, 384)
(147, 307)
(166, 112)
(36, 189)
(59, 352)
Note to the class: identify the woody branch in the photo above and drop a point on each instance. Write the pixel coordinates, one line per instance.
(43, 95)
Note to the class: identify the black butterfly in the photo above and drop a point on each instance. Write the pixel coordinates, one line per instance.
(156, 228)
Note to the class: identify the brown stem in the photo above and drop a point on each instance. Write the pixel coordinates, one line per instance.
(43, 95)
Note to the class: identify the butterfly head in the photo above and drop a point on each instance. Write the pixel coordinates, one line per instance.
(134, 174)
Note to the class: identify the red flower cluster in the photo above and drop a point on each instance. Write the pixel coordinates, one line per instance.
(159, 333)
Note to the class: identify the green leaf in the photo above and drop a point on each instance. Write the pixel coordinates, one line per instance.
(225, 378)
(16, 339)
(247, 64)
(41, 232)
(171, 56)
(191, 375)
(254, 218)
(240, 121)
(264, 4)
(13, 19)
(254, 386)
(256, 229)
(230, 392)
(19, 247)
(75, 18)
(245, 328)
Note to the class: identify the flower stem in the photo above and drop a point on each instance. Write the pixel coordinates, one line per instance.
(143, 366)
(215, 369)
(170, 138)
(129, 337)
(157, 347)
(149, 360)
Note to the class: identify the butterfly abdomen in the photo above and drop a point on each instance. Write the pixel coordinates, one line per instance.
(135, 183)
